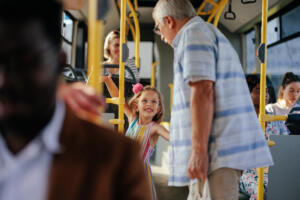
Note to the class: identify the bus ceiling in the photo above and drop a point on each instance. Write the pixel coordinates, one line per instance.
(247, 14)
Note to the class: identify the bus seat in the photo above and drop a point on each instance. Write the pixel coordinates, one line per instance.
(284, 176)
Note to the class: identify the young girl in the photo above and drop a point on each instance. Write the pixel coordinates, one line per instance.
(145, 112)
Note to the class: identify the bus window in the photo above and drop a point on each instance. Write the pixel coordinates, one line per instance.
(67, 34)
(290, 22)
(250, 52)
(273, 31)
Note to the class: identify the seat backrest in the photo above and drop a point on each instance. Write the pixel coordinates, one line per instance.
(284, 176)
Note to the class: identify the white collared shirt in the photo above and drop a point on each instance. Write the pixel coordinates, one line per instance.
(25, 175)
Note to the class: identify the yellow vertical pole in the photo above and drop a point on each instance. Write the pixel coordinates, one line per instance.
(152, 82)
(100, 53)
(171, 95)
(262, 101)
(122, 66)
(95, 43)
(92, 9)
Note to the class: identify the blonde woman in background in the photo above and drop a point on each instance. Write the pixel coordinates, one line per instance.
(112, 54)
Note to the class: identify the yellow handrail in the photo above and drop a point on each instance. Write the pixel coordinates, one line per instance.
(137, 34)
(152, 82)
(220, 9)
(136, 4)
(262, 101)
(215, 12)
(131, 27)
(171, 95)
(122, 67)
(95, 52)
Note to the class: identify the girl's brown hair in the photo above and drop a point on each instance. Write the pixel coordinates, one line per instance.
(288, 78)
(159, 115)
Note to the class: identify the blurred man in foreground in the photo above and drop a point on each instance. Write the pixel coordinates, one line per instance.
(46, 152)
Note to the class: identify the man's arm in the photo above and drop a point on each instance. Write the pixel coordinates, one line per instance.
(80, 97)
(202, 107)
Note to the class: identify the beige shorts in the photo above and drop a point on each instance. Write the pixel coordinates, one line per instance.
(223, 184)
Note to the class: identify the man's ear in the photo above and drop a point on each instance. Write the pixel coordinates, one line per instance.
(62, 59)
(169, 21)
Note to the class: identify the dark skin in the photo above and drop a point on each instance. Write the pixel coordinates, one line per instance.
(29, 69)
(255, 94)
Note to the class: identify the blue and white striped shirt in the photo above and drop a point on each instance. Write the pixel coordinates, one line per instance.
(201, 52)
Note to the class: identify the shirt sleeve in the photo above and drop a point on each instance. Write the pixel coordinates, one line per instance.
(198, 58)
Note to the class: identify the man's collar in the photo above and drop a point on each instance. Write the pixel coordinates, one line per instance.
(50, 134)
(177, 37)
(48, 139)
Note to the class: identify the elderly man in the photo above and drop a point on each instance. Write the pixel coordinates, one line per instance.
(220, 134)
(46, 152)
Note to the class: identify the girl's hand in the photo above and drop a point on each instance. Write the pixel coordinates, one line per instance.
(106, 78)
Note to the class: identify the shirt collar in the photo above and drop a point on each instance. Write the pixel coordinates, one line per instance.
(49, 136)
(185, 26)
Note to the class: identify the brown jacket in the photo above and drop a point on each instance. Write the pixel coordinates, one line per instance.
(96, 164)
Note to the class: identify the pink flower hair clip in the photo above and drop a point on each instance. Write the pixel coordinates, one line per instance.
(136, 88)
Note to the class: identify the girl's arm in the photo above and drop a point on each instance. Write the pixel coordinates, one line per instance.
(114, 92)
(160, 130)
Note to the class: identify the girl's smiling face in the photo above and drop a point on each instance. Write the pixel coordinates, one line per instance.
(148, 104)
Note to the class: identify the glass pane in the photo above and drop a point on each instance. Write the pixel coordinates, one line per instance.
(273, 32)
(67, 28)
(284, 57)
(67, 48)
(291, 22)
(250, 52)
(146, 57)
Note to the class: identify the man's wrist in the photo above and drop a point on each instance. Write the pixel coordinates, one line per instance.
(199, 149)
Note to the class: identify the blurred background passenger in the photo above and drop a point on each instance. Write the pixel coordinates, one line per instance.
(112, 54)
(288, 95)
(249, 178)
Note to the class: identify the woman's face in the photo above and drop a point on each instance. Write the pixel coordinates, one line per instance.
(255, 94)
(291, 93)
(114, 49)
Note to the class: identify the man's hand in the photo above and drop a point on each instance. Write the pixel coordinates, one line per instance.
(81, 98)
(198, 165)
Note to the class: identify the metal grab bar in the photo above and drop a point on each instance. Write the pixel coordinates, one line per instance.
(215, 12)
(262, 102)
(95, 50)
(137, 33)
(152, 81)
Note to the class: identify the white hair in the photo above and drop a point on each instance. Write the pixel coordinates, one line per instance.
(178, 9)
